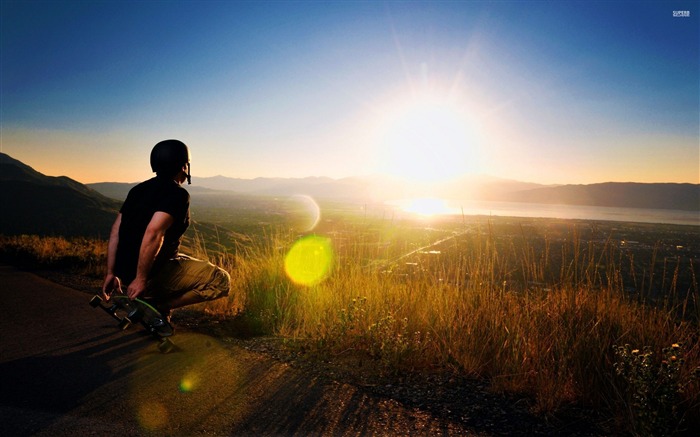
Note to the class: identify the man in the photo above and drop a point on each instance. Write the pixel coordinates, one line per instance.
(145, 239)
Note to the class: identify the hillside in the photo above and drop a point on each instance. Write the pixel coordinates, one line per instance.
(684, 197)
(34, 203)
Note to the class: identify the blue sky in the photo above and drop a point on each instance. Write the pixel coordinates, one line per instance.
(548, 92)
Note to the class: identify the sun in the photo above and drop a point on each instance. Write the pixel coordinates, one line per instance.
(427, 139)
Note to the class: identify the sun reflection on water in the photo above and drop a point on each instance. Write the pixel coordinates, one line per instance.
(427, 206)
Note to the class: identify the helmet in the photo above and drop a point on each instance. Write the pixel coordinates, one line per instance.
(169, 156)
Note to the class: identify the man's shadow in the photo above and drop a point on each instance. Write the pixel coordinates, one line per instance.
(36, 391)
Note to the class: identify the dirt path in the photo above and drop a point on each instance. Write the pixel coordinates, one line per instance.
(66, 370)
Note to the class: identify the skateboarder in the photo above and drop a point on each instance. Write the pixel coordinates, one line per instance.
(143, 250)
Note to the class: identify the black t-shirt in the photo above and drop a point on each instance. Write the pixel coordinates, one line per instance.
(144, 200)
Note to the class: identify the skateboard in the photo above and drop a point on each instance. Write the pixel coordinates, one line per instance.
(128, 311)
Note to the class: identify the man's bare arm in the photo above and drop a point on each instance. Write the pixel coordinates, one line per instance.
(150, 247)
(113, 244)
(111, 282)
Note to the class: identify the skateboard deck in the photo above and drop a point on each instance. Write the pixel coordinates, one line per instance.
(129, 311)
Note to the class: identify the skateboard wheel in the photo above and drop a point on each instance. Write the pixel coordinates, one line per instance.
(95, 301)
(165, 346)
(135, 315)
(125, 323)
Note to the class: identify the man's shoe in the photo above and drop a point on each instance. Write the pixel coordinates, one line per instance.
(162, 327)
(164, 311)
(166, 314)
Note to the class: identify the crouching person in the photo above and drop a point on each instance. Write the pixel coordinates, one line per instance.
(143, 250)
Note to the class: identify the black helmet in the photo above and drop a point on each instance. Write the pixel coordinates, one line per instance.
(169, 156)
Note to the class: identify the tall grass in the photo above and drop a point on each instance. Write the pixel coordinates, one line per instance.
(542, 320)
(79, 255)
(549, 319)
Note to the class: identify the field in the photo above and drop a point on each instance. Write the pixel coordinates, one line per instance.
(599, 314)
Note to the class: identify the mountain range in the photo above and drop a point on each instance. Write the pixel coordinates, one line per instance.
(672, 196)
(33, 203)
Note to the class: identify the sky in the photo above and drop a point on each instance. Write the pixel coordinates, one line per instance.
(551, 92)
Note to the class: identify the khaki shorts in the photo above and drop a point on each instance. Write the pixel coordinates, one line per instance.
(184, 273)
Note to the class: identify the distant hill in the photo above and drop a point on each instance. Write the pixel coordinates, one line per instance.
(378, 188)
(317, 187)
(119, 190)
(362, 189)
(684, 197)
(113, 190)
(322, 187)
(33, 203)
(484, 187)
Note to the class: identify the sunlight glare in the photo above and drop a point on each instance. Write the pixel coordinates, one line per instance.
(428, 207)
(428, 140)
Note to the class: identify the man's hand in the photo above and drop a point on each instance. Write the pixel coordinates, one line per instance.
(110, 285)
(136, 288)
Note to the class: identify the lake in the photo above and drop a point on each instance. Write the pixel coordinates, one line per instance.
(432, 207)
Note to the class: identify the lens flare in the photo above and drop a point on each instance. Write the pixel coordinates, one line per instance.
(189, 382)
(309, 260)
(305, 212)
(152, 416)
(193, 379)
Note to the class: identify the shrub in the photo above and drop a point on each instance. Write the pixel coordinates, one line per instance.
(654, 387)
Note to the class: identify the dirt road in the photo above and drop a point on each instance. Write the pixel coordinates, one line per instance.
(66, 370)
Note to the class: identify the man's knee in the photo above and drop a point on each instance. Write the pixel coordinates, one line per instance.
(184, 274)
(219, 285)
(223, 283)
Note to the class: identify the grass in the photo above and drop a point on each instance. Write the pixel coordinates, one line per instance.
(554, 319)
(78, 255)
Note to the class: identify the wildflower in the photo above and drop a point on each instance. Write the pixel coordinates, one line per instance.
(635, 351)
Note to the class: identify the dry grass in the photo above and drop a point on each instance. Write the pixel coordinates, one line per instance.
(79, 255)
(501, 311)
